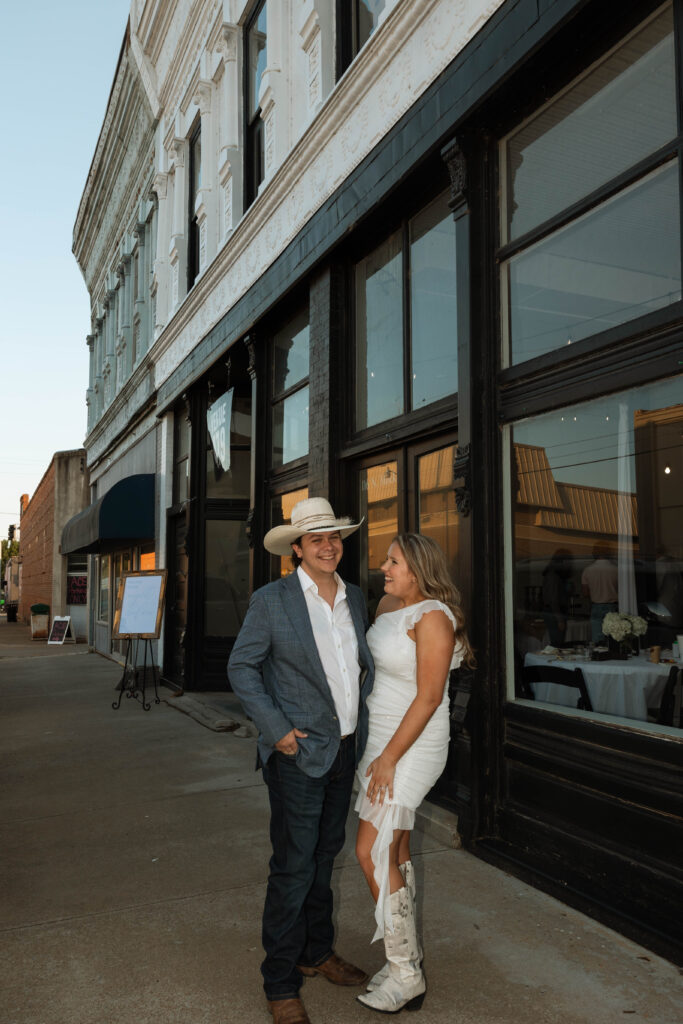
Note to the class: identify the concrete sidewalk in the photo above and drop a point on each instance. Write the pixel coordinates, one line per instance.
(135, 858)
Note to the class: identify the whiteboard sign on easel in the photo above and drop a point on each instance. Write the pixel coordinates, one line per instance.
(140, 605)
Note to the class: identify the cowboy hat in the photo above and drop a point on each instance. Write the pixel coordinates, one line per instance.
(312, 515)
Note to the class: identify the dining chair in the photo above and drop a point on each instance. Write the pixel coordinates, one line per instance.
(560, 676)
(671, 705)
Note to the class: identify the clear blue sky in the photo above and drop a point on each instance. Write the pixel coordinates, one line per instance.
(57, 65)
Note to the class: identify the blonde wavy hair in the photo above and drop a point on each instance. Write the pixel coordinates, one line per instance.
(428, 565)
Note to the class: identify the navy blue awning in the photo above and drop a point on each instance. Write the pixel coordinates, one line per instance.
(125, 512)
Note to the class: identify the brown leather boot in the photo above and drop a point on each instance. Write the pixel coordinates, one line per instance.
(288, 1011)
(336, 970)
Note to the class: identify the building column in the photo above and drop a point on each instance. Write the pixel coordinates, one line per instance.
(229, 154)
(160, 287)
(90, 393)
(205, 204)
(177, 252)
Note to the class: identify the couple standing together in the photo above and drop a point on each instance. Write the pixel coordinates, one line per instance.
(330, 703)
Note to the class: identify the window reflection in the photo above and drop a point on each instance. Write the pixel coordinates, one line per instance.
(438, 516)
(228, 453)
(433, 304)
(379, 334)
(290, 354)
(620, 261)
(226, 579)
(379, 507)
(290, 428)
(622, 110)
(598, 528)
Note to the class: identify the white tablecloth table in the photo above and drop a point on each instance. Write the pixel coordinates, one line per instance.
(622, 688)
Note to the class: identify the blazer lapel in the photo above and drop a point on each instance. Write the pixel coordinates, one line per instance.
(359, 626)
(297, 612)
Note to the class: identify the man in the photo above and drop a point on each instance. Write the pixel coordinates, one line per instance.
(302, 669)
(600, 584)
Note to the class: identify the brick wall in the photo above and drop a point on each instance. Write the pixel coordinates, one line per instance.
(37, 540)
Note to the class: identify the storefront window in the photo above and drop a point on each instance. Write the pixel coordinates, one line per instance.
(433, 305)
(597, 531)
(379, 506)
(147, 558)
(379, 334)
(281, 512)
(77, 579)
(181, 456)
(226, 578)
(103, 589)
(620, 261)
(413, 270)
(290, 391)
(228, 454)
(596, 251)
(437, 514)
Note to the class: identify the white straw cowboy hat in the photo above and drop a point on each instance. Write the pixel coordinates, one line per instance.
(312, 515)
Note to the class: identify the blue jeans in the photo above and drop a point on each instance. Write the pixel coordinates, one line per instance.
(307, 827)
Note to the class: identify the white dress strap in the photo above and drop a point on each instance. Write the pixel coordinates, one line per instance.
(414, 612)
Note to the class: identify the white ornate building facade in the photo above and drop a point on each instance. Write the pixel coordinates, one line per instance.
(422, 257)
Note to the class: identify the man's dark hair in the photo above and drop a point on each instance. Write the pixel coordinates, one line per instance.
(296, 561)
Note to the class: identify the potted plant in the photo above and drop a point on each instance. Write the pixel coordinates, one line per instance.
(40, 621)
(623, 631)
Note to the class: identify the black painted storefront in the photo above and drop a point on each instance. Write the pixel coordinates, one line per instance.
(592, 812)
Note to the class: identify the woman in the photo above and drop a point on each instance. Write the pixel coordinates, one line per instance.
(417, 638)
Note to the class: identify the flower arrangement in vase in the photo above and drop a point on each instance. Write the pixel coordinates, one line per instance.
(624, 630)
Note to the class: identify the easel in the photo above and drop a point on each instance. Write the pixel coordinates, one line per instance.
(129, 685)
(139, 607)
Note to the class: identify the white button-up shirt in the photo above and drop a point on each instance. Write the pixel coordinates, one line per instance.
(337, 643)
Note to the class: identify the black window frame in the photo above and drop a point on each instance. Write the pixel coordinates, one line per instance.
(540, 383)
(254, 141)
(194, 138)
(406, 423)
(295, 468)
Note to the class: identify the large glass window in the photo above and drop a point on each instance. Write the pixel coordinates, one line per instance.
(228, 450)
(290, 412)
(103, 589)
(357, 20)
(256, 63)
(379, 507)
(596, 545)
(226, 579)
(599, 229)
(437, 515)
(405, 362)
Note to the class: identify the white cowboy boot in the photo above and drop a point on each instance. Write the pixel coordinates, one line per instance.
(408, 872)
(404, 984)
(377, 979)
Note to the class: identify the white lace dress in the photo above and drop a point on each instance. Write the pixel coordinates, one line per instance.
(394, 690)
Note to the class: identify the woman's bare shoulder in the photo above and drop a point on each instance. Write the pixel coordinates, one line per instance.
(387, 604)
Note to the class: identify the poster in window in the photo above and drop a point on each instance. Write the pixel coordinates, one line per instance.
(77, 589)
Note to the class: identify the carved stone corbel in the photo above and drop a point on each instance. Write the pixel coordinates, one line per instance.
(462, 479)
(453, 157)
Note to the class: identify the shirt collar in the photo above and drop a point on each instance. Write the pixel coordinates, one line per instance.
(307, 583)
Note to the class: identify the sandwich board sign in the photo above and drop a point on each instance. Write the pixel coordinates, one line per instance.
(61, 630)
